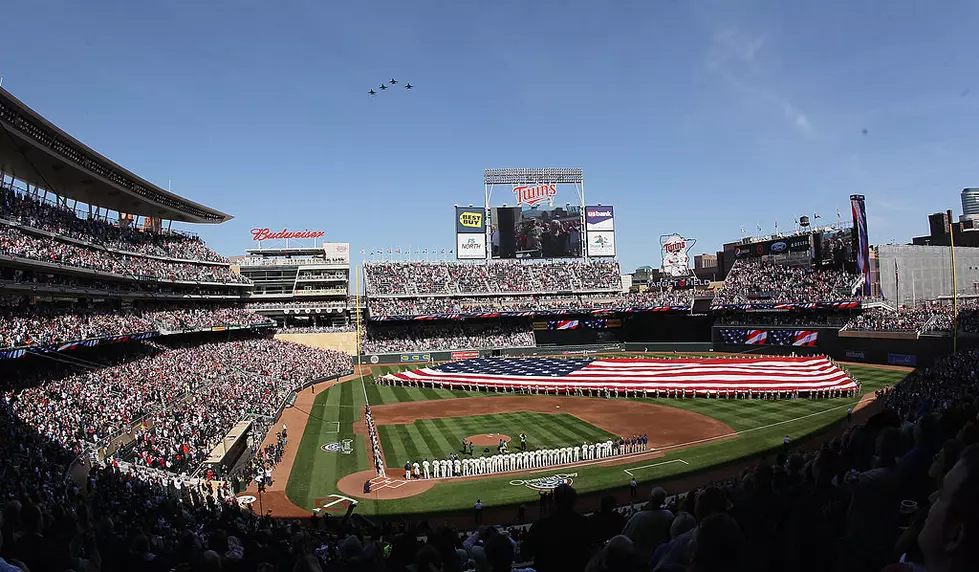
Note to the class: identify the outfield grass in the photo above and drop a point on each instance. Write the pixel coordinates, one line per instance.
(761, 425)
(436, 438)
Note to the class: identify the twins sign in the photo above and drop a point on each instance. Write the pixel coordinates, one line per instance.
(535, 194)
(676, 260)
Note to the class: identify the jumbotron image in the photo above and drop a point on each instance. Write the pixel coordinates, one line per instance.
(512, 398)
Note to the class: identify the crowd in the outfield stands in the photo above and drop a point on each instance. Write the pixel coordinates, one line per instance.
(755, 282)
(181, 400)
(418, 306)
(898, 492)
(515, 333)
(28, 210)
(781, 319)
(316, 329)
(902, 319)
(277, 305)
(936, 317)
(498, 277)
(40, 325)
(17, 243)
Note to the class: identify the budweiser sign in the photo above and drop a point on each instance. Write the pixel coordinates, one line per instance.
(267, 234)
(527, 195)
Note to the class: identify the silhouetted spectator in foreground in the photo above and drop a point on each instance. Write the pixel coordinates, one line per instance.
(559, 542)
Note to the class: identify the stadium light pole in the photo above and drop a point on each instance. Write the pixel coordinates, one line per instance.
(955, 290)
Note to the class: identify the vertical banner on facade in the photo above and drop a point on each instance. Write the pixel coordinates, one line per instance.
(859, 208)
(600, 231)
(470, 224)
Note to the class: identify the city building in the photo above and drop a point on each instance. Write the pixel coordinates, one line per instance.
(970, 203)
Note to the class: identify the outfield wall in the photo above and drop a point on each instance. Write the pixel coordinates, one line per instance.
(867, 347)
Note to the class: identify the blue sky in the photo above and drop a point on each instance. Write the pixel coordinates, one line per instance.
(690, 117)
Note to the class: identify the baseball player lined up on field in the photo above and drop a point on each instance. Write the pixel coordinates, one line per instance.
(522, 460)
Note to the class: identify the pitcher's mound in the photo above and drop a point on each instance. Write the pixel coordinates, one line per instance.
(488, 440)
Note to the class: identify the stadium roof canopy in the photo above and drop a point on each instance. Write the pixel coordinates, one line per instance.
(35, 151)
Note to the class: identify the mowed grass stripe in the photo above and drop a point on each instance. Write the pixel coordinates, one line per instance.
(448, 440)
(424, 430)
(442, 443)
(408, 448)
(581, 430)
(550, 433)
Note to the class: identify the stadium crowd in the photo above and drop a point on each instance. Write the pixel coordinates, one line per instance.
(29, 211)
(19, 244)
(884, 319)
(502, 277)
(755, 281)
(411, 337)
(860, 502)
(303, 304)
(420, 306)
(316, 329)
(186, 397)
(24, 325)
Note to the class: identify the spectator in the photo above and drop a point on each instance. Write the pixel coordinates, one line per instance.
(559, 542)
(607, 522)
(650, 527)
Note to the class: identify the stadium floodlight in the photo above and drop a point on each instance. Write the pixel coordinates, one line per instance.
(509, 176)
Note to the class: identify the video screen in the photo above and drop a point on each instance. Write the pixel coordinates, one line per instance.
(536, 232)
(837, 248)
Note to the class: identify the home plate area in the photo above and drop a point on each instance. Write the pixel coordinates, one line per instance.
(378, 483)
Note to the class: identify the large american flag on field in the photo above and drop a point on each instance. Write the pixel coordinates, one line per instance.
(699, 375)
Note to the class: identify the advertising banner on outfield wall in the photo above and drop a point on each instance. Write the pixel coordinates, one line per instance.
(599, 218)
(464, 355)
(470, 246)
(902, 359)
(601, 244)
(415, 358)
(855, 355)
(470, 220)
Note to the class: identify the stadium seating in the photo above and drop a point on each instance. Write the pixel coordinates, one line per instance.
(413, 337)
(29, 211)
(17, 243)
(440, 305)
(836, 507)
(756, 281)
(43, 325)
(221, 382)
(499, 277)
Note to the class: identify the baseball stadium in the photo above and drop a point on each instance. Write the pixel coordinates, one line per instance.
(511, 399)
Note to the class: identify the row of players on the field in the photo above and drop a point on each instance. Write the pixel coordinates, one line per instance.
(504, 462)
(614, 392)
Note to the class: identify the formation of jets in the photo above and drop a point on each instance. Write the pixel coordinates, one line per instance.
(384, 86)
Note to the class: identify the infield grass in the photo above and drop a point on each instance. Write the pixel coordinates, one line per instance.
(436, 438)
(760, 426)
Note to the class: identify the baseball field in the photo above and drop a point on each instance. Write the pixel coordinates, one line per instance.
(333, 457)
